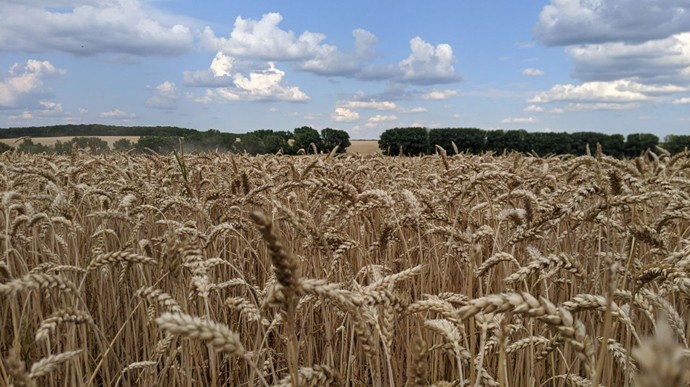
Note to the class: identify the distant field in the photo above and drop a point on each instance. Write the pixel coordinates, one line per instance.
(49, 141)
(364, 147)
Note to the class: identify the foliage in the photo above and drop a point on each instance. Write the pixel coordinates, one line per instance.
(305, 136)
(637, 143)
(123, 145)
(330, 138)
(408, 141)
(470, 140)
(158, 144)
(676, 144)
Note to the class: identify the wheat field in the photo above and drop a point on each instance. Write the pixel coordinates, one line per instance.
(231, 270)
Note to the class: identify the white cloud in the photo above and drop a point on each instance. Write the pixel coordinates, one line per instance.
(84, 27)
(571, 22)
(657, 61)
(621, 90)
(344, 115)
(265, 84)
(24, 83)
(417, 109)
(428, 64)
(379, 118)
(519, 120)
(265, 40)
(371, 104)
(532, 72)
(576, 107)
(533, 109)
(439, 94)
(118, 114)
(164, 96)
(681, 101)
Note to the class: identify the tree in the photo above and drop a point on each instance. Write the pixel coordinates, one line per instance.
(305, 136)
(507, 140)
(677, 144)
(412, 141)
(123, 145)
(330, 138)
(544, 143)
(4, 147)
(28, 146)
(158, 144)
(637, 143)
(470, 140)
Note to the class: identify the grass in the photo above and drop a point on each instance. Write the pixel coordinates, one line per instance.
(352, 270)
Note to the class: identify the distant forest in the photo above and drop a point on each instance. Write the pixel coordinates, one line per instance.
(166, 139)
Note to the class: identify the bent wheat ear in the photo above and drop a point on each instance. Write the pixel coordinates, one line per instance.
(37, 281)
(211, 332)
(50, 363)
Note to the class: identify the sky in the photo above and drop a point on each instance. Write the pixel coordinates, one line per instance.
(610, 66)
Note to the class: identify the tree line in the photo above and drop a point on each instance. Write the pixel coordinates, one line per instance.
(417, 140)
(168, 139)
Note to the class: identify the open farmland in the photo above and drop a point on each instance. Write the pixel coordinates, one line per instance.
(50, 141)
(222, 269)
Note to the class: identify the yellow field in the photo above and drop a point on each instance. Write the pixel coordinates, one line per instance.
(230, 270)
(364, 147)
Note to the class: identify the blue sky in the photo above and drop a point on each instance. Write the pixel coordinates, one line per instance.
(612, 66)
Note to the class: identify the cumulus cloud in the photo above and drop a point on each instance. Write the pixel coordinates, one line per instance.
(164, 96)
(118, 115)
(519, 120)
(417, 109)
(262, 85)
(655, 61)
(371, 104)
(571, 22)
(532, 72)
(576, 107)
(344, 115)
(265, 40)
(23, 85)
(533, 109)
(374, 121)
(92, 27)
(436, 95)
(681, 101)
(428, 64)
(615, 91)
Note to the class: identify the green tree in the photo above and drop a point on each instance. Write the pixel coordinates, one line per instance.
(500, 140)
(412, 141)
(4, 147)
(123, 145)
(677, 144)
(544, 143)
(637, 143)
(470, 140)
(28, 146)
(94, 145)
(305, 136)
(158, 144)
(330, 138)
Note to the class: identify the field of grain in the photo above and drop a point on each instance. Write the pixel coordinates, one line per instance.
(50, 141)
(230, 270)
(364, 147)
